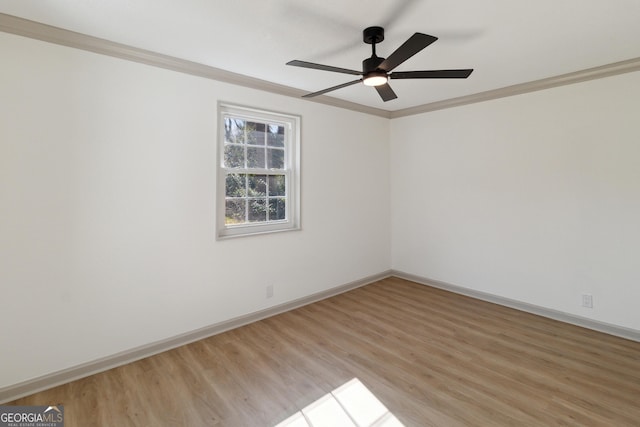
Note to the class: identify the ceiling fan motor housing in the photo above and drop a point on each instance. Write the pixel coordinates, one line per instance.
(371, 64)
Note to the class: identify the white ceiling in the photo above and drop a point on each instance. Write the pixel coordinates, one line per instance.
(506, 42)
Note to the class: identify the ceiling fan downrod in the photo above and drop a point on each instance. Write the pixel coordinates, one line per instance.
(372, 36)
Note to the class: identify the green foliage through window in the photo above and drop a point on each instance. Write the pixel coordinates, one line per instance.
(251, 198)
(255, 146)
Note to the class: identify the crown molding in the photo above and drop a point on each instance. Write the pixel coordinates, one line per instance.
(47, 33)
(550, 82)
(35, 30)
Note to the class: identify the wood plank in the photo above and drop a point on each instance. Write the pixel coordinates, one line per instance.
(432, 357)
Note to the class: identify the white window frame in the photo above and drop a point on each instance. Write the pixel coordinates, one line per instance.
(291, 171)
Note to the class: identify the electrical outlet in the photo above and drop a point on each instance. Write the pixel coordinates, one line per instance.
(269, 291)
(587, 300)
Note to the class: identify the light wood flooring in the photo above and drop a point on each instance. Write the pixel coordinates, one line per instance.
(433, 358)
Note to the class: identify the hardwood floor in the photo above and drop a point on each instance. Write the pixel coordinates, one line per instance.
(433, 358)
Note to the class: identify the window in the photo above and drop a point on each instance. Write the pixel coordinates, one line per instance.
(258, 171)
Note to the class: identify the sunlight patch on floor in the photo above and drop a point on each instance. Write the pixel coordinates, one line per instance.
(351, 404)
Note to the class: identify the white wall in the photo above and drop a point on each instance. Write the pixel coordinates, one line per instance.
(535, 197)
(107, 184)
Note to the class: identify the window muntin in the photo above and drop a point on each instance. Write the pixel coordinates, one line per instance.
(255, 198)
(258, 170)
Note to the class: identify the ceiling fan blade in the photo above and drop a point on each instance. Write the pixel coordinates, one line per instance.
(413, 45)
(315, 66)
(385, 92)
(320, 92)
(432, 74)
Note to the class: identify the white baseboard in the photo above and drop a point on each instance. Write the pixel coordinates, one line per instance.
(16, 391)
(26, 388)
(619, 331)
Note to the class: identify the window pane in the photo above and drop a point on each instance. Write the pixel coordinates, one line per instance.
(258, 161)
(234, 156)
(277, 185)
(255, 157)
(256, 133)
(277, 209)
(234, 130)
(257, 185)
(257, 210)
(275, 136)
(275, 158)
(235, 211)
(236, 185)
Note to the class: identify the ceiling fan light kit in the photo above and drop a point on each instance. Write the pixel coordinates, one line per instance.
(377, 71)
(375, 79)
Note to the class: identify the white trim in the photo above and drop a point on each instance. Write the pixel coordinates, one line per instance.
(292, 124)
(607, 328)
(26, 388)
(35, 30)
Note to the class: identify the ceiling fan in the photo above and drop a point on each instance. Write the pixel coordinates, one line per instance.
(377, 71)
